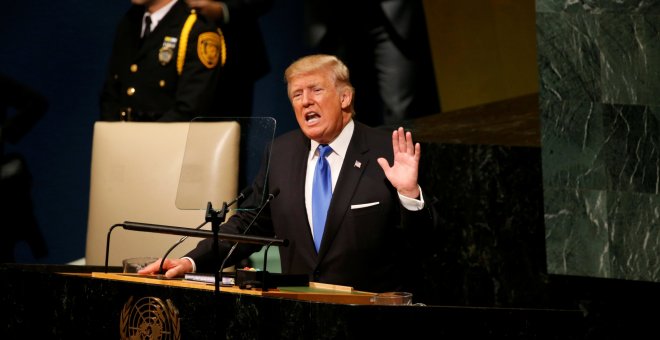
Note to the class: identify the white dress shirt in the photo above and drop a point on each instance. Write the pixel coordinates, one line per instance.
(335, 160)
(156, 16)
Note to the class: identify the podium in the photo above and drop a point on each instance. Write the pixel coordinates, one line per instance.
(52, 301)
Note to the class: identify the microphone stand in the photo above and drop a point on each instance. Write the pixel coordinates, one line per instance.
(171, 230)
(216, 218)
(264, 285)
(265, 273)
(209, 216)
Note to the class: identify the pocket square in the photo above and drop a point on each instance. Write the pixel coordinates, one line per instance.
(364, 205)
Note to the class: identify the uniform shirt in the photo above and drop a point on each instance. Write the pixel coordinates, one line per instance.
(156, 17)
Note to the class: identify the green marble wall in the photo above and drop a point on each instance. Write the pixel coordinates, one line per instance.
(599, 68)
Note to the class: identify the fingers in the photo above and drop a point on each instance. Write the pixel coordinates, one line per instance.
(178, 268)
(402, 142)
(410, 148)
(399, 140)
(173, 268)
(152, 268)
(383, 164)
(395, 141)
(175, 272)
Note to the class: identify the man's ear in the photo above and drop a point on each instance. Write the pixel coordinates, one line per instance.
(346, 98)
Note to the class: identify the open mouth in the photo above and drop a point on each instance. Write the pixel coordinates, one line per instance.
(312, 117)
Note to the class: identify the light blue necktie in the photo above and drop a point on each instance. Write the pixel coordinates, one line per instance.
(321, 194)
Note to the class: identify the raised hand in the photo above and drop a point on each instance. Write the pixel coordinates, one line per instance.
(403, 173)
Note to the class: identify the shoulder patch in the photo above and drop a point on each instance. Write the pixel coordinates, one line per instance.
(209, 48)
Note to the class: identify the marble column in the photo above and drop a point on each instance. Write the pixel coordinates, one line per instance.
(599, 68)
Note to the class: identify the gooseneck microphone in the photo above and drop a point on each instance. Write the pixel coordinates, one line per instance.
(246, 192)
(271, 196)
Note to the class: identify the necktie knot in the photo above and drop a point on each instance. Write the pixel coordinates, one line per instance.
(147, 26)
(324, 150)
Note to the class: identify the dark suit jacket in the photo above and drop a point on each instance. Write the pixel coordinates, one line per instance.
(404, 17)
(160, 94)
(371, 37)
(366, 248)
(247, 60)
(246, 48)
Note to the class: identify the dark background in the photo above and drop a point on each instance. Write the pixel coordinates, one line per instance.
(61, 49)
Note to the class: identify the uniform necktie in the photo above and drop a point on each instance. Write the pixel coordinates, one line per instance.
(321, 194)
(147, 26)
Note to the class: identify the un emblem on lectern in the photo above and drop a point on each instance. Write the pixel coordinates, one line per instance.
(149, 318)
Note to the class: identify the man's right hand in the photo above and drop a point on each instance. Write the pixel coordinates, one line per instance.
(209, 8)
(172, 267)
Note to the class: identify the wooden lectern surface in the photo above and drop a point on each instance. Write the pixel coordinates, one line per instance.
(316, 292)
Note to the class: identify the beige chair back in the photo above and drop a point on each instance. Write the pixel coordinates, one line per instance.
(135, 174)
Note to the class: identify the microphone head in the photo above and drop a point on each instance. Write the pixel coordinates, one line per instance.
(274, 193)
(246, 192)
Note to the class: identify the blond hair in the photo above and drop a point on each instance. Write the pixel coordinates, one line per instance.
(316, 62)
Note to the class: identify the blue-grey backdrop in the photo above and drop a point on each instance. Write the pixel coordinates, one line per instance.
(61, 48)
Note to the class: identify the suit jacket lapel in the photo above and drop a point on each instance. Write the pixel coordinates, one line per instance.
(298, 208)
(355, 162)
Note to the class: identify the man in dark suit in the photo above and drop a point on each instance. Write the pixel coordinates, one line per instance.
(247, 60)
(385, 43)
(163, 70)
(376, 211)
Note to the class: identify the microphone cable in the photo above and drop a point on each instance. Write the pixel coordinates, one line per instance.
(231, 250)
(243, 194)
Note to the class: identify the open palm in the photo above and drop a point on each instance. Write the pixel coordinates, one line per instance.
(403, 173)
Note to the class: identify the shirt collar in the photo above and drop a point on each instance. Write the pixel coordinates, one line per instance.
(340, 144)
(158, 15)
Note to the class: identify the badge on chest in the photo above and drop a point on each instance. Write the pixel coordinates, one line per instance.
(166, 52)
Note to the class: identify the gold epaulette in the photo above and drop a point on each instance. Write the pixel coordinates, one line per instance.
(183, 41)
(223, 48)
(210, 46)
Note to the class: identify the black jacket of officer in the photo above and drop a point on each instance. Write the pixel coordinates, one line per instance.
(170, 75)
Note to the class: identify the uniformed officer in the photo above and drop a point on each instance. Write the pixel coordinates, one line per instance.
(164, 64)
(247, 57)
